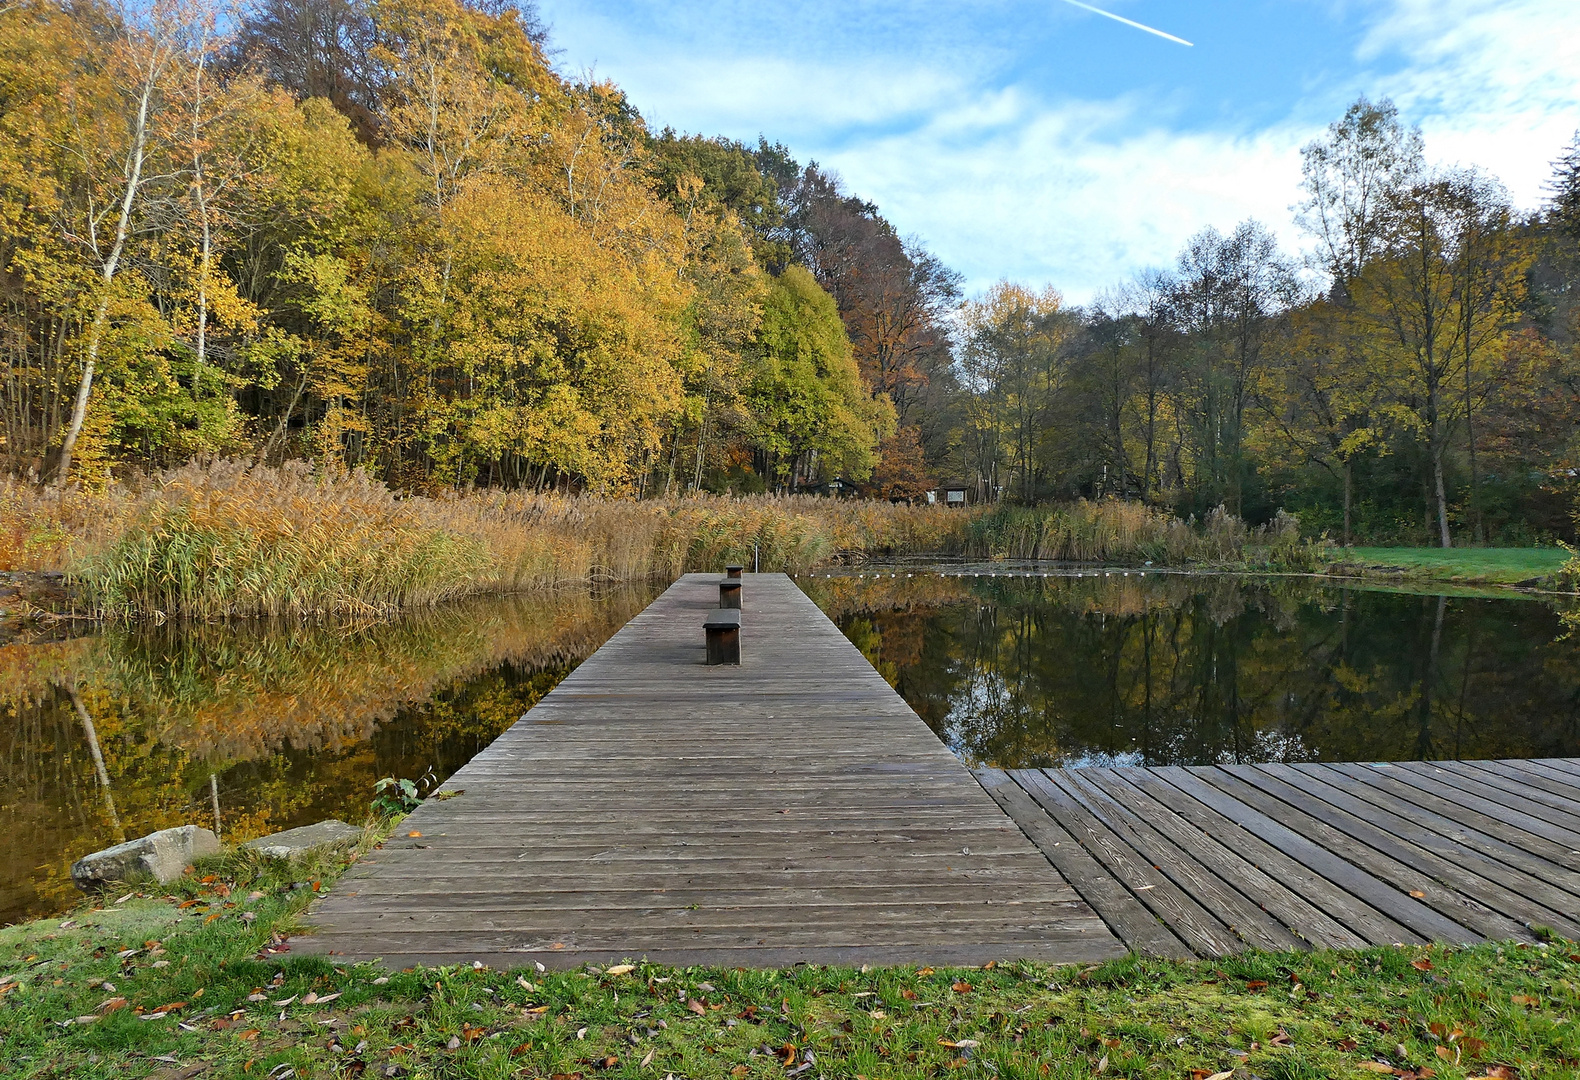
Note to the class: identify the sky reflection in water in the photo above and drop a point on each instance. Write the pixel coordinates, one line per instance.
(1173, 669)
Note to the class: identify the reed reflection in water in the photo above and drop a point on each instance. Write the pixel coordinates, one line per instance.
(1172, 669)
(252, 728)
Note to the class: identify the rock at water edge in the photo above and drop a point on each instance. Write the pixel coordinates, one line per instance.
(319, 837)
(163, 855)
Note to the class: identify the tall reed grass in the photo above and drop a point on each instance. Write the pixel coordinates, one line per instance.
(223, 539)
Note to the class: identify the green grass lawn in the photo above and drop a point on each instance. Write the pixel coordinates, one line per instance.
(177, 984)
(1504, 566)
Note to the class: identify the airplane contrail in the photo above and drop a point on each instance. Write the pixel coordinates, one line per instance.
(1127, 22)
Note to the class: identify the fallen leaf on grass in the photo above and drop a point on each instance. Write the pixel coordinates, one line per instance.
(963, 1044)
(1374, 1066)
(924, 972)
(1256, 984)
(647, 1058)
(1281, 1039)
(697, 1007)
(1498, 1072)
(109, 1005)
(606, 1063)
(739, 1070)
(621, 969)
(1525, 999)
(1421, 965)
(454, 1043)
(1102, 1064)
(908, 995)
(961, 988)
(248, 1035)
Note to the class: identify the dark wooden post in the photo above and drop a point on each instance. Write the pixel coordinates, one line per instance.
(733, 571)
(730, 594)
(723, 631)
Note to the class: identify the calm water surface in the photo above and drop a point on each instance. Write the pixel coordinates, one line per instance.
(1151, 669)
(130, 730)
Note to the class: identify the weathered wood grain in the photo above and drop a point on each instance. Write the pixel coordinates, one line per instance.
(791, 809)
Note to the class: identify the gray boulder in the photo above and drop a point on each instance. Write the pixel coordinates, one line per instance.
(319, 837)
(163, 856)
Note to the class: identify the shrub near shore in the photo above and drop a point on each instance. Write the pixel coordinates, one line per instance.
(226, 539)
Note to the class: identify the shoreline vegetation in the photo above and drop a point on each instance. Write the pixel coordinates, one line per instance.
(198, 977)
(225, 539)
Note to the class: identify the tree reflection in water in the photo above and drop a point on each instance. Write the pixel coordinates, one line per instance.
(254, 727)
(1174, 669)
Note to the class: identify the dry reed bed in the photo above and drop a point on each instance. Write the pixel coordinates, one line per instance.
(224, 539)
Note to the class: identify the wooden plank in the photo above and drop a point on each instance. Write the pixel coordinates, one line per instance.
(1250, 922)
(1341, 922)
(1490, 783)
(1453, 805)
(1481, 904)
(1137, 927)
(1194, 925)
(1429, 776)
(1500, 885)
(1339, 872)
(1537, 774)
(792, 808)
(1364, 783)
(1398, 881)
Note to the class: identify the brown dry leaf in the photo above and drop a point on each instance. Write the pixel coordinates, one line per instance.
(990, 965)
(1111, 1043)
(1374, 1066)
(212, 917)
(1102, 1064)
(310, 999)
(248, 1035)
(415, 832)
(924, 972)
(739, 1070)
(621, 969)
(1281, 1039)
(1221, 1075)
(647, 1058)
(1472, 1045)
(908, 995)
(1421, 965)
(961, 988)
(697, 1007)
(565, 1076)
(1500, 1072)
(1524, 999)
(1418, 894)
(109, 1005)
(1446, 1054)
(787, 1051)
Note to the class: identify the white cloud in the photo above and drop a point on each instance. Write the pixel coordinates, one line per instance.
(1494, 83)
(1004, 179)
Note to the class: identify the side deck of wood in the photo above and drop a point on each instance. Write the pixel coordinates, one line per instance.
(790, 809)
(1214, 860)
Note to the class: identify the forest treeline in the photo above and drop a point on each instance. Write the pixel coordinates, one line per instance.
(391, 235)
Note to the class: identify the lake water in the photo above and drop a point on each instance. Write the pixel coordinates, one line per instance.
(130, 730)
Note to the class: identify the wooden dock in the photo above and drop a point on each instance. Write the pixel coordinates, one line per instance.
(790, 809)
(1206, 861)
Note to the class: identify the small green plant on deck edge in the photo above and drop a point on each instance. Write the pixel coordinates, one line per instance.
(396, 798)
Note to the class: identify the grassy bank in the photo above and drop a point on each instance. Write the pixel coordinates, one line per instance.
(1487, 566)
(195, 980)
(225, 539)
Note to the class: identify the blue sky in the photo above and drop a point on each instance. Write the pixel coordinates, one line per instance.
(1046, 144)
